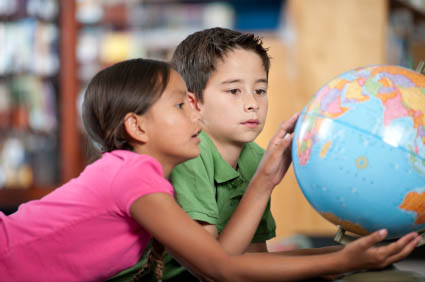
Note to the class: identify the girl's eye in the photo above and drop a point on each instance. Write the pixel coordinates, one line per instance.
(260, 91)
(180, 105)
(233, 91)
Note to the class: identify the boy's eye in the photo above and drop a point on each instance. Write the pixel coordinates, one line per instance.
(260, 91)
(233, 91)
(180, 105)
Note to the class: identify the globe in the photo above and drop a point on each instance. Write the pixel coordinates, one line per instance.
(359, 150)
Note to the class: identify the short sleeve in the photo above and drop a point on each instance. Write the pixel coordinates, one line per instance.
(195, 191)
(136, 178)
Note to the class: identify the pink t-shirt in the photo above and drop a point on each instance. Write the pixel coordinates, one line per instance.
(82, 231)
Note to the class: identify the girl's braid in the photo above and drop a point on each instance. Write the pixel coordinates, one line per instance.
(155, 257)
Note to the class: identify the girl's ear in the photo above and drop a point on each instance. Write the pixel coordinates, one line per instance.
(193, 101)
(135, 126)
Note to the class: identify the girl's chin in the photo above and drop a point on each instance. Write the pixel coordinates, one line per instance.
(195, 154)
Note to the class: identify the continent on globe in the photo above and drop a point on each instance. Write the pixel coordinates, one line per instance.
(415, 202)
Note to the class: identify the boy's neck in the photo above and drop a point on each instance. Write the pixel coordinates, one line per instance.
(229, 152)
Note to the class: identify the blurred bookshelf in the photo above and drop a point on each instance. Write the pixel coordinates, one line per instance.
(34, 100)
(29, 84)
(111, 31)
(406, 32)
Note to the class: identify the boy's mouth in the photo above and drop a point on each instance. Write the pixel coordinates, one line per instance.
(251, 123)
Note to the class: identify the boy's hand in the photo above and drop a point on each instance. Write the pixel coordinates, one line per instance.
(277, 158)
(362, 254)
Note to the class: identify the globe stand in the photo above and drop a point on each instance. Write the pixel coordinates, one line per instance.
(344, 239)
(420, 68)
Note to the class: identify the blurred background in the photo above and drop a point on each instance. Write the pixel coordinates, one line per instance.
(49, 49)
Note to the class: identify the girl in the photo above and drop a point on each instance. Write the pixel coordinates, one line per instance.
(138, 113)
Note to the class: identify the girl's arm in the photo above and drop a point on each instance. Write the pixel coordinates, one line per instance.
(240, 229)
(311, 251)
(160, 215)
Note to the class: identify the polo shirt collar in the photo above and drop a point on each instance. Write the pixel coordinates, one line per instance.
(223, 172)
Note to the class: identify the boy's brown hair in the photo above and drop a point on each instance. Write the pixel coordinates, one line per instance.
(195, 58)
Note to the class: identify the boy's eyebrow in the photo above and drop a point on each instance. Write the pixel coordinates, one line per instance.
(238, 80)
(264, 80)
(230, 81)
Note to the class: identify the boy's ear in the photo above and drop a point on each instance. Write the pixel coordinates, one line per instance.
(135, 126)
(193, 101)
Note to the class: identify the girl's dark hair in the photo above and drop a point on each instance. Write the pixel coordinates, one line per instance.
(131, 86)
(155, 258)
(195, 58)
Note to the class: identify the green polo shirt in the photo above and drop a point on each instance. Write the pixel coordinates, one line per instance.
(209, 190)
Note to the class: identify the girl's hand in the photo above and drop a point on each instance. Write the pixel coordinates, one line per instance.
(363, 254)
(277, 158)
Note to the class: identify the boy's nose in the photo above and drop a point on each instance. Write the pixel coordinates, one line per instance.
(250, 103)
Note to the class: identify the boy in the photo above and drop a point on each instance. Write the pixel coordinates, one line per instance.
(227, 73)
